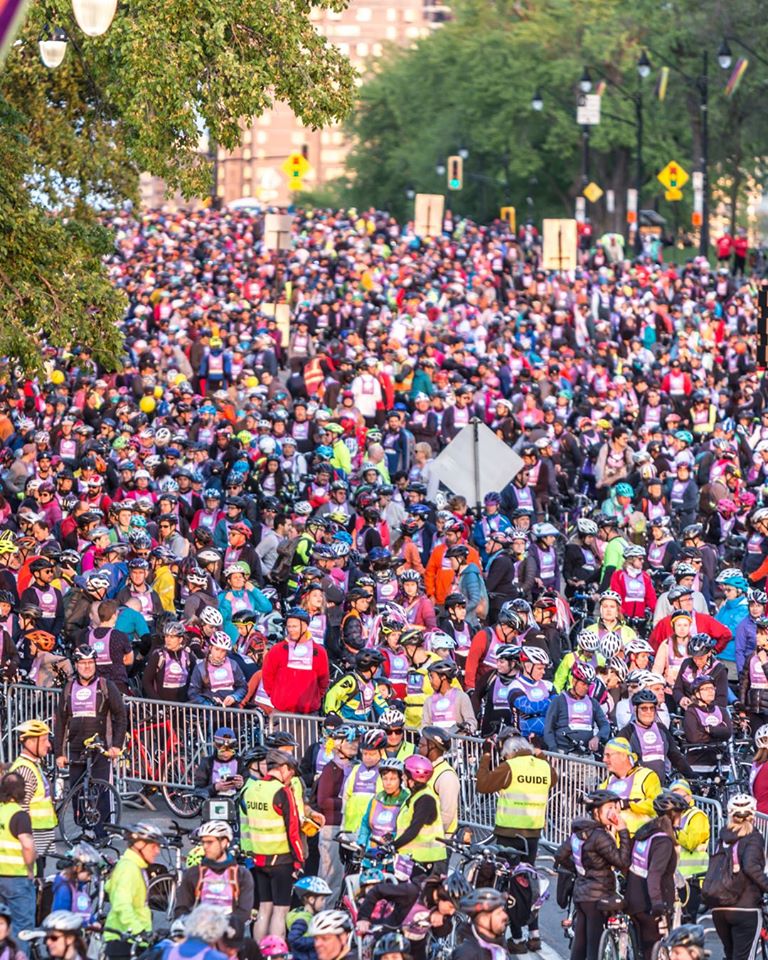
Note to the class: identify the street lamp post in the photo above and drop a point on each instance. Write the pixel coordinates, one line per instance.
(703, 85)
(585, 85)
(643, 69)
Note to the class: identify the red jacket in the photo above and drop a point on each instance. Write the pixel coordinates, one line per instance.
(634, 608)
(702, 623)
(293, 690)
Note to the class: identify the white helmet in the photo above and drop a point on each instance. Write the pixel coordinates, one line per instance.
(742, 806)
(534, 655)
(211, 616)
(216, 828)
(610, 645)
(761, 737)
(392, 717)
(267, 445)
(198, 577)
(329, 921)
(610, 595)
(162, 435)
(439, 640)
(638, 646)
(221, 641)
(654, 678)
(586, 527)
(728, 573)
(588, 641)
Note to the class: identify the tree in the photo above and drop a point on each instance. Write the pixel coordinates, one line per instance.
(137, 99)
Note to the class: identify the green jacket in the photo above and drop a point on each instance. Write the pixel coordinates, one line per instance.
(127, 891)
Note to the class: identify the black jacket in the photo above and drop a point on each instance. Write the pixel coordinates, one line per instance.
(242, 904)
(676, 758)
(600, 857)
(654, 894)
(752, 862)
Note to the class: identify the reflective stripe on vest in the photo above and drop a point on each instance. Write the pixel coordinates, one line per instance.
(41, 811)
(264, 831)
(523, 804)
(11, 855)
(425, 848)
(691, 862)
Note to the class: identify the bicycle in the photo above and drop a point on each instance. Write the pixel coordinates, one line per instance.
(91, 802)
(619, 938)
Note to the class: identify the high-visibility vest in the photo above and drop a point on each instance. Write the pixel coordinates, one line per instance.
(361, 786)
(11, 854)
(41, 809)
(262, 830)
(523, 804)
(691, 862)
(426, 848)
(438, 768)
(634, 791)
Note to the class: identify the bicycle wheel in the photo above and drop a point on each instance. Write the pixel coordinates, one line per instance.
(161, 899)
(87, 807)
(182, 801)
(608, 948)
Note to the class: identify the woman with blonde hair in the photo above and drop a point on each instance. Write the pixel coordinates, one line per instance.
(672, 651)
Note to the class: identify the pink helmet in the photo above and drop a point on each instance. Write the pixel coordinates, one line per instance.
(418, 768)
(748, 499)
(273, 946)
(726, 505)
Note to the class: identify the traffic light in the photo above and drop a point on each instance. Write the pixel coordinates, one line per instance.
(455, 173)
(296, 171)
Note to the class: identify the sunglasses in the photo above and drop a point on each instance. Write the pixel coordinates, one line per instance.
(53, 937)
(389, 730)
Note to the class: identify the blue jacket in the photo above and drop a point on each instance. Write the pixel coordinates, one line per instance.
(731, 614)
(745, 641)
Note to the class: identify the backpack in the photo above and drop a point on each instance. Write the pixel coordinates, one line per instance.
(286, 553)
(724, 883)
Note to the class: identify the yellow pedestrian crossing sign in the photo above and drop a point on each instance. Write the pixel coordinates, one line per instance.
(296, 167)
(592, 192)
(673, 177)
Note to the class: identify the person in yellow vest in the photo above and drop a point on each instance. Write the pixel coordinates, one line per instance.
(126, 887)
(270, 833)
(35, 737)
(636, 786)
(417, 685)
(693, 838)
(522, 781)
(363, 782)
(17, 856)
(419, 824)
(392, 722)
(434, 744)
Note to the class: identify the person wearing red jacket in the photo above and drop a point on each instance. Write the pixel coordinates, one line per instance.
(295, 672)
(681, 598)
(634, 585)
(740, 248)
(676, 383)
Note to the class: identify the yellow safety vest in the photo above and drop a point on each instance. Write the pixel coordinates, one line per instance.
(262, 830)
(355, 801)
(11, 854)
(41, 810)
(425, 848)
(693, 857)
(633, 790)
(297, 789)
(437, 769)
(415, 695)
(523, 804)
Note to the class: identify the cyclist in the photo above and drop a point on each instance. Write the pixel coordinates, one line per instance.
(686, 942)
(89, 706)
(609, 618)
(270, 833)
(693, 840)
(72, 884)
(530, 694)
(395, 664)
(380, 817)
(700, 662)
(483, 651)
(392, 722)
(487, 910)
(354, 696)
(598, 848)
(363, 781)
(758, 774)
(218, 880)
(651, 883)
(419, 824)
(168, 669)
(651, 740)
(35, 737)
(634, 586)
(705, 727)
(126, 887)
(434, 744)
(392, 946)
(330, 930)
(62, 932)
(417, 685)
(753, 682)
(219, 772)
(634, 785)
(448, 706)
(330, 787)
(587, 645)
(204, 937)
(218, 679)
(312, 893)
(494, 690)
(573, 716)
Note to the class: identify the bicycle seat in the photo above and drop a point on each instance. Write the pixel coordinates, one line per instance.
(609, 905)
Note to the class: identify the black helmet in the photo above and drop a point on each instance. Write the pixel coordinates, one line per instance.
(437, 735)
(700, 643)
(412, 635)
(669, 802)
(373, 740)
(254, 755)
(280, 738)
(457, 886)
(483, 900)
(368, 658)
(644, 696)
(597, 798)
(455, 600)
(443, 668)
(509, 617)
(393, 942)
(460, 551)
(686, 935)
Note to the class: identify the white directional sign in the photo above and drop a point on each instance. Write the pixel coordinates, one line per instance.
(475, 464)
(588, 109)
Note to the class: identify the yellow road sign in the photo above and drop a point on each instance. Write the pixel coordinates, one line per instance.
(592, 192)
(673, 194)
(296, 167)
(508, 214)
(673, 177)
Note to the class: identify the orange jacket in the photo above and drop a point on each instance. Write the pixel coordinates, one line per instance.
(439, 580)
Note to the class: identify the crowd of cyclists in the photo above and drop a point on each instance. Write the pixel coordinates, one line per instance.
(250, 518)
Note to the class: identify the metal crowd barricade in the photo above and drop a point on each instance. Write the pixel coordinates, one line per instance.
(714, 812)
(25, 702)
(575, 777)
(761, 822)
